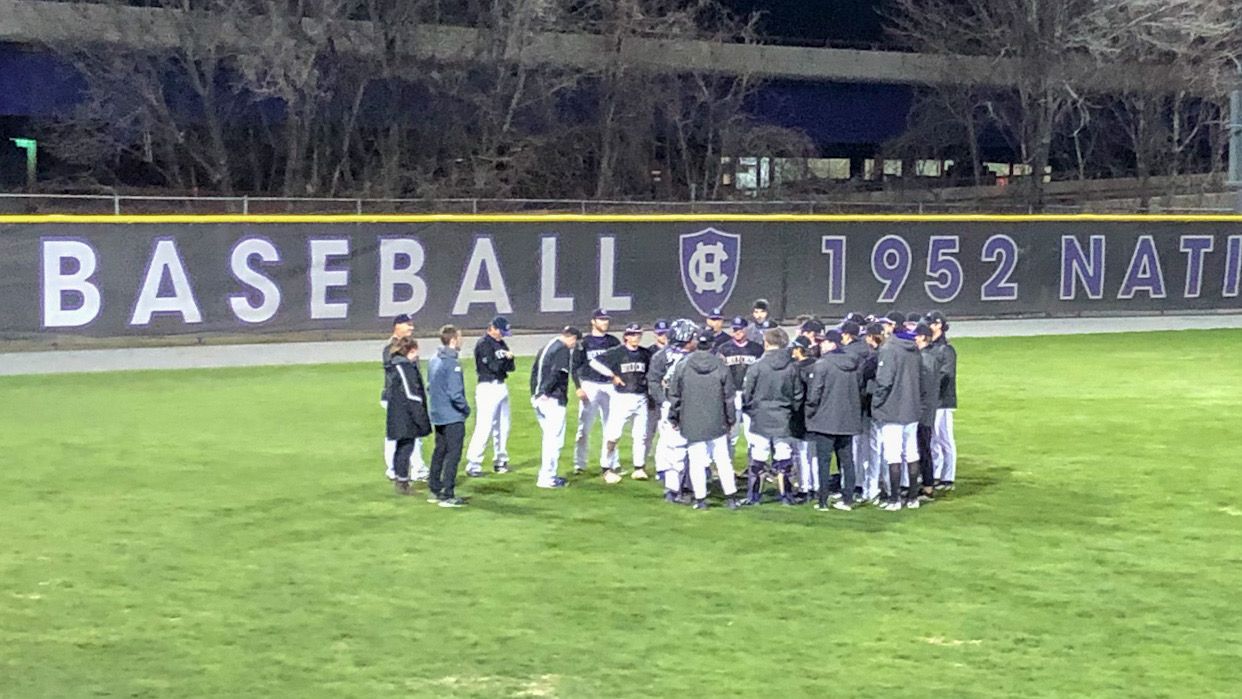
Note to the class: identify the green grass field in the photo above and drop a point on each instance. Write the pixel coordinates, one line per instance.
(229, 533)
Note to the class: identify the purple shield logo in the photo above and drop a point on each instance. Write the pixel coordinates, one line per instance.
(709, 265)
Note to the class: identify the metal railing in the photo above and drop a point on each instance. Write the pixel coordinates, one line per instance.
(130, 204)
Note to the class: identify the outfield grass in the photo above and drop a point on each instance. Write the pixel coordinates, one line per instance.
(229, 533)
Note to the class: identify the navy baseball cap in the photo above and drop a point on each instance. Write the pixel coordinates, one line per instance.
(850, 327)
(571, 330)
(923, 329)
(854, 318)
(812, 326)
(661, 327)
(738, 323)
(875, 329)
(894, 319)
(802, 341)
(934, 317)
(600, 314)
(403, 318)
(914, 318)
(633, 329)
(501, 323)
(832, 335)
(706, 336)
(715, 314)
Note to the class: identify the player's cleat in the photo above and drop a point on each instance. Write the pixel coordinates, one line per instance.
(700, 504)
(732, 503)
(611, 477)
(391, 475)
(925, 498)
(788, 500)
(842, 505)
(912, 504)
(557, 482)
(873, 501)
(944, 485)
(502, 467)
(822, 506)
(474, 471)
(579, 470)
(401, 487)
(639, 474)
(674, 498)
(835, 497)
(420, 475)
(891, 507)
(452, 502)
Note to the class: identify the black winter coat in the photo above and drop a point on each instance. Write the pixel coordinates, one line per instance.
(771, 392)
(700, 397)
(797, 425)
(897, 395)
(834, 395)
(407, 402)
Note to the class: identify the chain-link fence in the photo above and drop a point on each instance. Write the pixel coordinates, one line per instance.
(125, 204)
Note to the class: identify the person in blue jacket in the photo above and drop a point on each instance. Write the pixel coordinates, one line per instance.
(446, 387)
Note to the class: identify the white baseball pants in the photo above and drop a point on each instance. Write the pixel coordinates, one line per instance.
(763, 448)
(671, 455)
(741, 424)
(623, 408)
(551, 416)
(900, 442)
(491, 423)
(418, 467)
(808, 465)
(599, 396)
(702, 455)
(944, 446)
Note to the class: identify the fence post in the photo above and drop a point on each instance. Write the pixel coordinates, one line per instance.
(358, 206)
(245, 204)
(474, 205)
(920, 208)
(116, 205)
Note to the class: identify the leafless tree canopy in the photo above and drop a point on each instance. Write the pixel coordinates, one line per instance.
(291, 97)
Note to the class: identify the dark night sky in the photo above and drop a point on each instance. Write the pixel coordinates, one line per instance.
(817, 21)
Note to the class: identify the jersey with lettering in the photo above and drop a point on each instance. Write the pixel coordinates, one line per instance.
(590, 347)
(738, 358)
(630, 365)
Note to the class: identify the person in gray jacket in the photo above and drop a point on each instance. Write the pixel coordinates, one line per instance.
(834, 415)
(446, 387)
(771, 392)
(929, 391)
(896, 404)
(943, 442)
(700, 408)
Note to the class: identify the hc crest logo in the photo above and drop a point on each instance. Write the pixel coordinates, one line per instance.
(709, 265)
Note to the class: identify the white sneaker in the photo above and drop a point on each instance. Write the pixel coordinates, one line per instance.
(840, 505)
(611, 477)
(639, 474)
(390, 474)
(912, 504)
(420, 475)
(891, 507)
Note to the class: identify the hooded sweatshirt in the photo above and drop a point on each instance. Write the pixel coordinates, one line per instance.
(897, 396)
(771, 393)
(700, 397)
(834, 395)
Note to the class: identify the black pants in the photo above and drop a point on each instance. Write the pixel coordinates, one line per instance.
(444, 459)
(925, 461)
(401, 458)
(843, 446)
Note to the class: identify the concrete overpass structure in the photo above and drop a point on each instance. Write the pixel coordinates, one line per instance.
(39, 22)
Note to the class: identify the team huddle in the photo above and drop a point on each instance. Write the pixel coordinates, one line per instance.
(875, 395)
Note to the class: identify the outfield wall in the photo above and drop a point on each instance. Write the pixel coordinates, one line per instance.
(171, 275)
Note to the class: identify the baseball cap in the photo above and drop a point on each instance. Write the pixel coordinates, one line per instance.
(850, 327)
(705, 336)
(934, 317)
(855, 317)
(802, 341)
(894, 319)
(402, 318)
(501, 323)
(832, 335)
(661, 327)
(715, 314)
(812, 326)
(633, 329)
(760, 305)
(923, 329)
(600, 314)
(739, 323)
(875, 329)
(914, 318)
(571, 330)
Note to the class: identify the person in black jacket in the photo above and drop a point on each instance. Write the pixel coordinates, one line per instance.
(626, 365)
(804, 449)
(700, 395)
(670, 456)
(896, 404)
(929, 390)
(402, 326)
(660, 330)
(408, 419)
(594, 391)
(771, 392)
(760, 321)
(739, 353)
(944, 444)
(834, 415)
(549, 394)
(493, 362)
(853, 343)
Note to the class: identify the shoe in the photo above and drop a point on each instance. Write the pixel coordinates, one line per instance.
(579, 470)
(822, 506)
(874, 501)
(835, 496)
(843, 506)
(391, 475)
(944, 485)
(891, 507)
(611, 477)
(452, 502)
(502, 467)
(401, 487)
(733, 503)
(639, 474)
(421, 476)
(788, 501)
(674, 498)
(912, 504)
(925, 498)
(474, 471)
(700, 504)
(433, 498)
(557, 482)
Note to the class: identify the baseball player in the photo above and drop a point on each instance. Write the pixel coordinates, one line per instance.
(739, 353)
(852, 343)
(670, 457)
(895, 404)
(812, 329)
(626, 365)
(406, 407)
(760, 321)
(868, 444)
(929, 391)
(834, 415)
(549, 390)
(660, 330)
(594, 390)
(770, 393)
(402, 326)
(943, 443)
(700, 398)
(804, 448)
(493, 362)
(715, 323)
